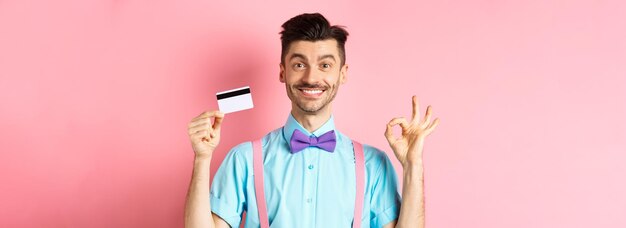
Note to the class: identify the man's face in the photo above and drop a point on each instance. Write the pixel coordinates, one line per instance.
(312, 73)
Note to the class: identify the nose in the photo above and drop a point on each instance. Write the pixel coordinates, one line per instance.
(312, 76)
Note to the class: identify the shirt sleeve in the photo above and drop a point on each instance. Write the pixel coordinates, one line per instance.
(385, 205)
(228, 198)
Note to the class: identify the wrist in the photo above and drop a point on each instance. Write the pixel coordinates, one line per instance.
(413, 164)
(202, 157)
(413, 167)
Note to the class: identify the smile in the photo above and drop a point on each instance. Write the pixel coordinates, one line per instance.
(312, 92)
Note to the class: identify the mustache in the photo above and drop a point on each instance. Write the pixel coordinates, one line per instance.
(310, 86)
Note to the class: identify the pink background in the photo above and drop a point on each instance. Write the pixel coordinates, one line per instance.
(95, 97)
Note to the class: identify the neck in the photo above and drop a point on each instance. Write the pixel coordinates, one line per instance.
(311, 121)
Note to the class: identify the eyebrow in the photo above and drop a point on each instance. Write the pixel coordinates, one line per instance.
(298, 55)
(326, 56)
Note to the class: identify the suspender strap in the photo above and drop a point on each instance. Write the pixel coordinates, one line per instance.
(257, 154)
(360, 178)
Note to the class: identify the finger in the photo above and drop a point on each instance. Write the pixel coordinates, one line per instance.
(209, 113)
(205, 114)
(401, 121)
(214, 134)
(202, 115)
(416, 109)
(200, 135)
(426, 121)
(205, 117)
(395, 121)
(204, 132)
(195, 129)
(201, 127)
(200, 121)
(389, 134)
(433, 125)
(217, 123)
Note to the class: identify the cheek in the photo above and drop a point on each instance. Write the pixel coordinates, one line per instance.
(292, 76)
(334, 78)
(291, 79)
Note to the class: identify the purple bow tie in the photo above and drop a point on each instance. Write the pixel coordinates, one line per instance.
(299, 141)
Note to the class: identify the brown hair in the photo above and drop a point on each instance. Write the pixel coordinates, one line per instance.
(312, 27)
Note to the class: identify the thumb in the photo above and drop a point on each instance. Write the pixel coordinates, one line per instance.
(217, 123)
(389, 134)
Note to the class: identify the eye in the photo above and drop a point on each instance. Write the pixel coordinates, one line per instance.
(326, 65)
(298, 65)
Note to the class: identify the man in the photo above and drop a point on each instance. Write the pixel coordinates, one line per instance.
(313, 187)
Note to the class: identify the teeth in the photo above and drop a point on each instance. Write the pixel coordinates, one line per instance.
(312, 91)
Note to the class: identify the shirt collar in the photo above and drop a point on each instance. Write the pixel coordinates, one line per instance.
(293, 124)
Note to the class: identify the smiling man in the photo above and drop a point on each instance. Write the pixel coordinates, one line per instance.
(310, 169)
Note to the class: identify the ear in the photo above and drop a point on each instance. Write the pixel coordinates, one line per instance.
(343, 74)
(281, 74)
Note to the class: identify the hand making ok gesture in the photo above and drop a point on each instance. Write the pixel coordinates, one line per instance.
(408, 147)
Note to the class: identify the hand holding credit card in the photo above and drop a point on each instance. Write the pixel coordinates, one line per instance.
(235, 100)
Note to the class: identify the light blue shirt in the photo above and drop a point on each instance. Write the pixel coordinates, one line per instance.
(311, 188)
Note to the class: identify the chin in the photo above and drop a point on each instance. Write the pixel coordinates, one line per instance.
(316, 108)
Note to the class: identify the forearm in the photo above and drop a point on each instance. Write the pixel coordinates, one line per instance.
(198, 205)
(412, 209)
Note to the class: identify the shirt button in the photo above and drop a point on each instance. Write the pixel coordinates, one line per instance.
(309, 200)
(310, 166)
